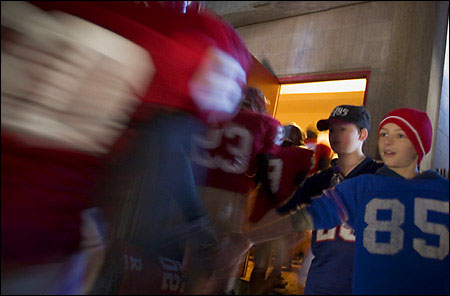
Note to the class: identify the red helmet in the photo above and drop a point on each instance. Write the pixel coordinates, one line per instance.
(293, 135)
(255, 101)
(183, 7)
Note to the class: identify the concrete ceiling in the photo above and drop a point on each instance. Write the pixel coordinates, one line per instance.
(244, 13)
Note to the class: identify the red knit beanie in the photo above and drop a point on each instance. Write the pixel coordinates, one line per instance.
(415, 124)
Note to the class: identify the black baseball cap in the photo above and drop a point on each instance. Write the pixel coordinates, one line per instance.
(348, 113)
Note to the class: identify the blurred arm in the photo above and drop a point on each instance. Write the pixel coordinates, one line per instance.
(272, 226)
(311, 187)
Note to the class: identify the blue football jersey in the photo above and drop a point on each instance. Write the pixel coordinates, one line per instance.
(333, 249)
(401, 229)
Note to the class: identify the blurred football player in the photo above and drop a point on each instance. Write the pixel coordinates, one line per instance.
(287, 170)
(333, 249)
(322, 152)
(155, 71)
(234, 153)
(65, 100)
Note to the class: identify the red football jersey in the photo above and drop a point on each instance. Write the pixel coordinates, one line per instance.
(43, 193)
(285, 168)
(200, 60)
(53, 151)
(64, 102)
(321, 151)
(229, 150)
(144, 273)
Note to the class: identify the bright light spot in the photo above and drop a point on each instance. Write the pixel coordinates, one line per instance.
(324, 86)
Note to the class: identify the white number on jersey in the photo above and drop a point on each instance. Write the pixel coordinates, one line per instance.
(393, 226)
(279, 136)
(421, 208)
(345, 232)
(241, 151)
(171, 280)
(275, 170)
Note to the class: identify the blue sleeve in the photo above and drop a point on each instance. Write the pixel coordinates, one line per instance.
(312, 186)
(337, 205)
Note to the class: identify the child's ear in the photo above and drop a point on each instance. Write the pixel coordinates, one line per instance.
(364, 133)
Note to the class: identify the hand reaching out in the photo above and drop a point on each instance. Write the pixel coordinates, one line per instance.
(226, 262)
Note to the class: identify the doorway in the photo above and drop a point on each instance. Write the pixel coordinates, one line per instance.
(308, 98)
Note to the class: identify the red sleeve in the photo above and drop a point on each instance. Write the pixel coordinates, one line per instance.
(295, 160)
(177, 44)
(274, 135)
(323, 151)
(306, 158)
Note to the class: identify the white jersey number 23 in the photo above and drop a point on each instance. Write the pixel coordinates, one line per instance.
(240, 152)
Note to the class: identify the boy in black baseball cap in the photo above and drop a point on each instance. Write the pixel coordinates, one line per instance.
(333, 250)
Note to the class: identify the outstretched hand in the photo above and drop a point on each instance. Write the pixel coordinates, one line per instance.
(234, 246)
(226, 262)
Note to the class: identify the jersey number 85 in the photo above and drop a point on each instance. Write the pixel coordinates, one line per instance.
(392, 226)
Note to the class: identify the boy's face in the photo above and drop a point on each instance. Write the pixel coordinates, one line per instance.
(395, 148)
(344, 137)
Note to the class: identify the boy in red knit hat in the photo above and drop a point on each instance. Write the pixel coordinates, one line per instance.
(417, 128)
(400, 216)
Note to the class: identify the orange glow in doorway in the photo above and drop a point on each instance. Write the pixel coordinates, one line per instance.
(306, 103)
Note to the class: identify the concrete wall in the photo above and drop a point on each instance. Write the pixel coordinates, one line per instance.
(396, 41)
(441, 159)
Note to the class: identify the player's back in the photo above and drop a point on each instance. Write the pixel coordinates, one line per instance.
(286, 170)
(285, 167)
(322, 155)
(229, 150)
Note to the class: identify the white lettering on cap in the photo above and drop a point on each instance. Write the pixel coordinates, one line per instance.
(339, 111)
